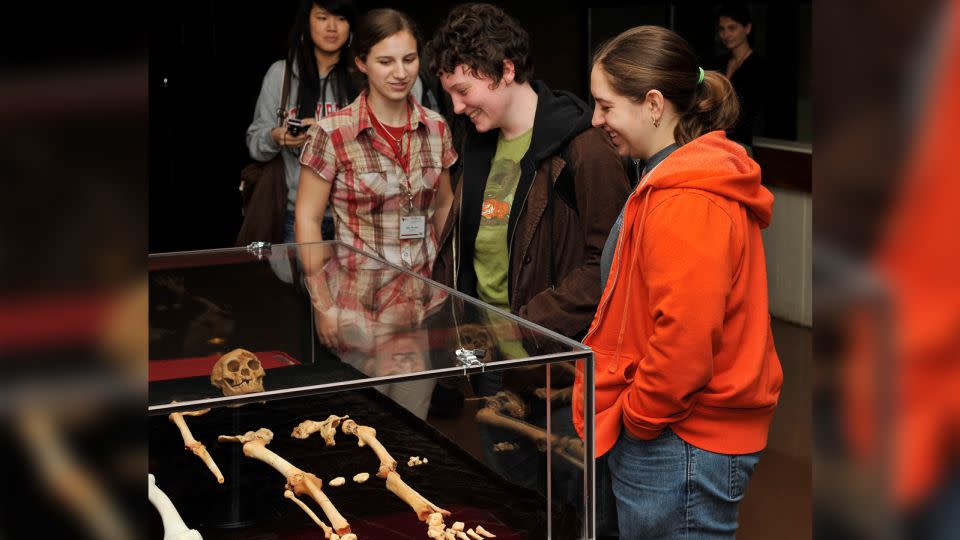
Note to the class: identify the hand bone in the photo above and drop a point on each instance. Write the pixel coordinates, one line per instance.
(484, 532)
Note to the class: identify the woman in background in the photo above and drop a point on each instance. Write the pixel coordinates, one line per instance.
(742, 67)
(320, 84)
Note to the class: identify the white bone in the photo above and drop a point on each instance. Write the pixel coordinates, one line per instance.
(485, 532)
(457, 526)
(327, 428)
(418, 502)
(298, 481)
(473, 535)
(247, 378)
(338, 481)
(366, 435)
(361, 477)
(173, 526)
(327, 531)
(194, 445)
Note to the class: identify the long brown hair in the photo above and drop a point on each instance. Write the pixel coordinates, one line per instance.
(648, 58)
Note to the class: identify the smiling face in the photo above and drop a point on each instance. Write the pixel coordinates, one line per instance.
(732, 33)
(622, 118)
(329, 32)
(473, 96)
(391, 66)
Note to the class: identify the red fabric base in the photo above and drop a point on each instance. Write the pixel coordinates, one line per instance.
(179, 368)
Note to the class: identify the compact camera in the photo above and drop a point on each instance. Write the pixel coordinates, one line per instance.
(296, 127)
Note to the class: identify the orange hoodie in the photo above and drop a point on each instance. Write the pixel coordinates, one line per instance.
(682, 336)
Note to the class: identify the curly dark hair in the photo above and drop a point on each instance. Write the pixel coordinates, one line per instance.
(480, 36)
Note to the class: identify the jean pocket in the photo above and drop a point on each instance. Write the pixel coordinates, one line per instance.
(741, 469)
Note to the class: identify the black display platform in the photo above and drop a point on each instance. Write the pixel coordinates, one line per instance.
(250, 503)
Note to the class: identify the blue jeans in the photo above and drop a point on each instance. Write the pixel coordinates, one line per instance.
(668, 488)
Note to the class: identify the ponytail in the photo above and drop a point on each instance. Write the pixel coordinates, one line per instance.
(648, 58)
(714, 106)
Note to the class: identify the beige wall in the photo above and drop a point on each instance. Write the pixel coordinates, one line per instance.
(788, 242)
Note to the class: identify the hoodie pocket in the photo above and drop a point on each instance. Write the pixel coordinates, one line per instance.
(614, 371)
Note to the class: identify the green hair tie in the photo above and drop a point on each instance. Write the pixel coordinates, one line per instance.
(700, 77)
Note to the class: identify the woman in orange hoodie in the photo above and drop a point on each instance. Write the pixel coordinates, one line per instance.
(687, 377)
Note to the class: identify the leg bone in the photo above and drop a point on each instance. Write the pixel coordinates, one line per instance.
(298, 481)
(418, 502)
(194, 445)
(366, 435)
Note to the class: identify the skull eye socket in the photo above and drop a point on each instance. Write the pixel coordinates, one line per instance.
(253, 365)
(233, 366)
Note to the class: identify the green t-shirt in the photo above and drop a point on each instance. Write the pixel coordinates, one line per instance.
(491, 260)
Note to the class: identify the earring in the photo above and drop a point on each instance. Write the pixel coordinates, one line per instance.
(349, 41)
(656, 122)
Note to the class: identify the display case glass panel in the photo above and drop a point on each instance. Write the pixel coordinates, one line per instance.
(461, 409)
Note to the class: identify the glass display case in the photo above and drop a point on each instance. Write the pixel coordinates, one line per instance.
(313, 391)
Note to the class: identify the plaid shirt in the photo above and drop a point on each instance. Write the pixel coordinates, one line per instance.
(370, 191)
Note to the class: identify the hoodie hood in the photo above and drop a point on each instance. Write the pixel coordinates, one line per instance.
(560, 117)
(718, 165)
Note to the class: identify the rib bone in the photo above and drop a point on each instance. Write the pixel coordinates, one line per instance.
(298, 481)
(418, 502)
(366, 435)
(194, 445)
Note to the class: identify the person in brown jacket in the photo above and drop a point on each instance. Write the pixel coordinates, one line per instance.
(539, 188)
(535, 198)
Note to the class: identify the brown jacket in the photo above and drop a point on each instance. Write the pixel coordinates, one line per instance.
(572, 187)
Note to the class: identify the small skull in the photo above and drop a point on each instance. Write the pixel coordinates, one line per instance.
(238, 372)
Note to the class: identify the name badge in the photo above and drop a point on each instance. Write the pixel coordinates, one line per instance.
(413, 227)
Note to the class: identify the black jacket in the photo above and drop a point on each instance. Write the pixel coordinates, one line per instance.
(572, 186)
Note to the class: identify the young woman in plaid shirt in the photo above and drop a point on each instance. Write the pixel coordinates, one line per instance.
(382, 164)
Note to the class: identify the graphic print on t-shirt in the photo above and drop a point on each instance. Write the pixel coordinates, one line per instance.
(498, 195)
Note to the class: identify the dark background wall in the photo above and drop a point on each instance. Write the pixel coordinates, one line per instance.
(208, 58)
